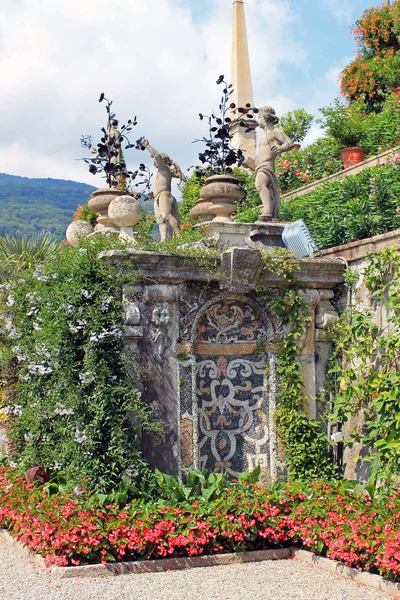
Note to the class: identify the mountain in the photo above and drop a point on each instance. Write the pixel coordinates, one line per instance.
(31, 205)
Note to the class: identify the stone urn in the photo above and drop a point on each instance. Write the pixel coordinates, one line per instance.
(200, 211)
(99, 202)
(125, 212)
(222, 191)
(77, 231)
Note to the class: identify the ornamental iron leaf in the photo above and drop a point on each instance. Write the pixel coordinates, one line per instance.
(107, 156)
(220, 156)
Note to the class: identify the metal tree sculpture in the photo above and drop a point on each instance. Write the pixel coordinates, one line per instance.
(108, 158)
(219, 156)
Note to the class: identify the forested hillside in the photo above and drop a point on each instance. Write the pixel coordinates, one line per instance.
(31, 205)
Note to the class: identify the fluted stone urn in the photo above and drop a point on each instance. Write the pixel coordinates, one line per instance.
(99, 202)
(222, 191)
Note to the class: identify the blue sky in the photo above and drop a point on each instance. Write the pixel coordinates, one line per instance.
(158, 59)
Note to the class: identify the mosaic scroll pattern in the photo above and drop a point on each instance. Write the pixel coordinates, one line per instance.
(232, 412)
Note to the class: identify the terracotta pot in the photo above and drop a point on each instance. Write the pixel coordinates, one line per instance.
(352, 156)
(99, 202)
(397, 92)
(222, 191)
(296, 147)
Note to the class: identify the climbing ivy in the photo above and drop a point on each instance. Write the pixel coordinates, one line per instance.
(368, 366)
(303, 439)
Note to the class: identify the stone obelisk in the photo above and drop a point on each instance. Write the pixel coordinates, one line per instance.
(241, 81)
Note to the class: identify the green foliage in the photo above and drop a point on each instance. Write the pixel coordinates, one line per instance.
(83, 213)
(29, 206)
(304, 441)
(190, 190)
(296, 124)
(18, 253)
(369, 371)
(382, 130)
(353, 208)
(75, 389)
(345, 124)
(320, 159)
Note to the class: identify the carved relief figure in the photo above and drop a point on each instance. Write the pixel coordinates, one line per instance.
(165, 205)
(160, 320)
(272, 144)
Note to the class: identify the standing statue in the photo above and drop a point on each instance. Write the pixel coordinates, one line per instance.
(273, 143)
(165, 205)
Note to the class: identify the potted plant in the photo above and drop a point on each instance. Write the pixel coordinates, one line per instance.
(108, 158)
(221, 189)
(296, 124)
(347, 125)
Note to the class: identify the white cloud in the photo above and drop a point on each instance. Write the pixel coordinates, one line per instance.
(341, 10)
(145, 54)
(333, 73)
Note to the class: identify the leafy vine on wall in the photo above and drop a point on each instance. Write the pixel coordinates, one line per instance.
(304, 440)
(368, 370)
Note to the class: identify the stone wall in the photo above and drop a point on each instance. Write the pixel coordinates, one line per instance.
(207, 351)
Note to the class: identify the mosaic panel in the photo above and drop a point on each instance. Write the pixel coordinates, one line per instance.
(232, 412)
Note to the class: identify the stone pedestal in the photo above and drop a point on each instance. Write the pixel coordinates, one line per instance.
(246, 235)
(208, 349)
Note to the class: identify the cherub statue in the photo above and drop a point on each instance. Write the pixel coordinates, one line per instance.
(273, 143)
(165, 205)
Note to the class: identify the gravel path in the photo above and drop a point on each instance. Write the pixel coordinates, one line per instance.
(278, 580)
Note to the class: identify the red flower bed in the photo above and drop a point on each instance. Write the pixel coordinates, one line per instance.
(330, 520)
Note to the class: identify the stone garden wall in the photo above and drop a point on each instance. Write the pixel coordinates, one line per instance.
(207, 352)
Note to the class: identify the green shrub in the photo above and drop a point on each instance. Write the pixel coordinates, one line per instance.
(75, 390)
(353, 208)
(296, 124)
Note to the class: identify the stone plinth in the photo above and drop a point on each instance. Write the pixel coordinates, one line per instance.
(246, 235)
(208, 348)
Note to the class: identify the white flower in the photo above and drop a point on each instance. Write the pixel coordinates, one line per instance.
(64, 411)
(82, 250)
(27, 436)
(10, 300)
(32, 311)
(105, 305)
(13, 335)
(86, 378)
(80, 437)
(87, 294)
(36, 326)
(42, 351)
(78, 491)
(39, 275)
(39, 370)
(13, 464)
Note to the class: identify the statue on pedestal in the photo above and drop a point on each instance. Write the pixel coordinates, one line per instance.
(273, 143)
(165, 205)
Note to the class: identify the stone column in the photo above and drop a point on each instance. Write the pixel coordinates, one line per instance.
(160, 371)
(307, 353)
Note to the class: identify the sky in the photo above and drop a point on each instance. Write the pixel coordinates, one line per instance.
(159, 60)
